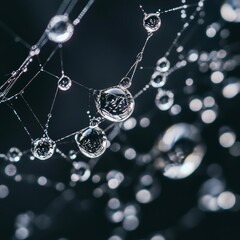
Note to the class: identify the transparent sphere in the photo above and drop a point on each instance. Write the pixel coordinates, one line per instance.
(91, 141)
(230, 11)
(152, 22)
(14, 154)
(125, 82)
(158, 79)
(81, 172)
(179, 151)
(163, 65)
(64, 83)
(164, 100)
(43, 148)
(115, 104)
(59, 29)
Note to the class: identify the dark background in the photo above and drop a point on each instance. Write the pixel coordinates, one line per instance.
(101, 51)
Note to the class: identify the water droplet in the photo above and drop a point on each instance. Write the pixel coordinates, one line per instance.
(230, 11)
(179, 151)
(164, 100)
(158, 79)
(14, 154)
(43, 148)
(151, 22)
(64, 83)
(115, 104)
(60, 29)
(125, 82)
(81, 172)
(163, 65)
(91, 141)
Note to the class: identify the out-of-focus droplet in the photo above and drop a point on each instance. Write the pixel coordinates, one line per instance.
(179, 151)
(81, 172)
(230, 11)
(163, 65)
(158, 79)
(164, 100)
(14, 154)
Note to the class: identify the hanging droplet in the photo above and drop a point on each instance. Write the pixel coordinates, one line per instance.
(60, 29)
(81, 172)
(164, 100)
(64, 83)
(163, 65)
(115, 104)
(14, 154)
(91, 141)
(151, 22)
(43, 148)
(179, 151)
(158, 79)
(125, 82)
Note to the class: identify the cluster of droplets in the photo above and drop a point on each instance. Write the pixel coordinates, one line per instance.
(178, 151)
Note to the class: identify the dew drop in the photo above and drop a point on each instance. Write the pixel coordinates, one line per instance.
(179, 151)
(151, 22)
(43, 148)
(92, 141)
(115, 104)
(64, 83)
(59, 29)
(164, 100)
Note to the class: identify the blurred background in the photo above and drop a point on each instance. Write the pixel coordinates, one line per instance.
(171, 171)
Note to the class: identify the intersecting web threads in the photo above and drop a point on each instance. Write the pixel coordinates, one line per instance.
(175, 152)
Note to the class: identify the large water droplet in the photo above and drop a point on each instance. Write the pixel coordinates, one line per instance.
(91, 141)
(179, 151)
(115, 104)
(43, 148)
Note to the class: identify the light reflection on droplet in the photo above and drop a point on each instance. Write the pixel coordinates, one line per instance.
(130, 223)
(226, 200)
(144, 122)
(175, 109)
(232, 88)
(114, 178)
(129, 124)
(217, 77)
(208, 116)
(130, 154)
(227, 137)
(4, 191)
(195, 105)
(10, 170)
(235, 149)
(193, 56)
(22, 233)
(42, 181)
